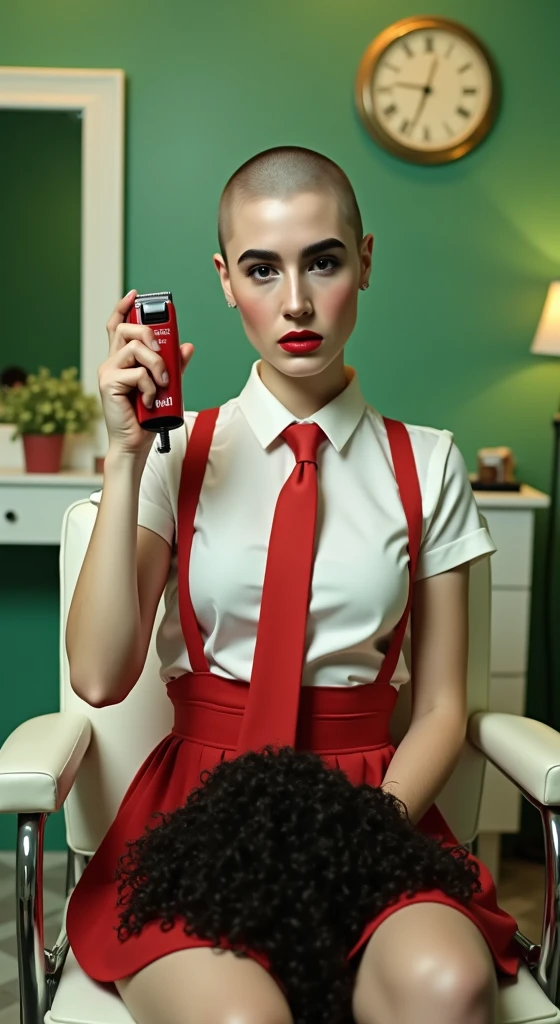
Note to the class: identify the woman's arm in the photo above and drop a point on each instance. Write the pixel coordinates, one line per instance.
(428, 753)
(117, 593)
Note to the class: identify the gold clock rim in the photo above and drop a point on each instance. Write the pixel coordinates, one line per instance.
(366, 70)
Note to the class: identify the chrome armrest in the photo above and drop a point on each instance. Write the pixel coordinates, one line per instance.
(527, 752)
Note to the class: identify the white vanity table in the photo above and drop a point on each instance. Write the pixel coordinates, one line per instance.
(32, 504)
(510, 516)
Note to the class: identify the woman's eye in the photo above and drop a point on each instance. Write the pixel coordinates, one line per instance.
(325, 259)
(253, 272)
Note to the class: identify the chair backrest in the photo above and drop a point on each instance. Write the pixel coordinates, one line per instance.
(124, 734)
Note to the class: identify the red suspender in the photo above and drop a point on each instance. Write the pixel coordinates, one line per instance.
(192, 475)
(409, 488)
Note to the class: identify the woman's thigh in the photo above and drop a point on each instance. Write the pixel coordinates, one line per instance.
(427, 961)
(198, 986)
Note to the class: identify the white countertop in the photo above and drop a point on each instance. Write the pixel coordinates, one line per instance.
(66, 478)
(527, 497)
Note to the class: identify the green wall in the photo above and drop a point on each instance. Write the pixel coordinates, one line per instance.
(463, 256)
(40, 204)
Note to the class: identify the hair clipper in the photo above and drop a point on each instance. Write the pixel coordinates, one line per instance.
(156, 309)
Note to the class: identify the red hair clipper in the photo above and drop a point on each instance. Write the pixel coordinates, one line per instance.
(157, 310)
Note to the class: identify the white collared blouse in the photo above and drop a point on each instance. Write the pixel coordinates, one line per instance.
(360, 576)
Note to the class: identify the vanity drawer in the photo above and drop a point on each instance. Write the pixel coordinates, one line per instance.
(32, 513)
(510, 631)
(512, 533)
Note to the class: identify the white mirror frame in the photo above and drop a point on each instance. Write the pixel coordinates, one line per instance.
(99, 95)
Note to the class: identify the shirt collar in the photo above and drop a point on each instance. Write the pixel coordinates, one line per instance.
(267, 417)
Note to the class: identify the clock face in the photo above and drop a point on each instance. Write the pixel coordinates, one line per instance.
(427, 91)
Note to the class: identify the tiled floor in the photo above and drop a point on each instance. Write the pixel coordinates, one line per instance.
(520, 891)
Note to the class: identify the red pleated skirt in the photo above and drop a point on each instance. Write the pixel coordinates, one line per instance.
(348, 727)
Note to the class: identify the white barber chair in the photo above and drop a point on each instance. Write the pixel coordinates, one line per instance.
(83, 759)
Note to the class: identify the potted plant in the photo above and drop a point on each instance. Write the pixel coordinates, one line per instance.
(45, 409)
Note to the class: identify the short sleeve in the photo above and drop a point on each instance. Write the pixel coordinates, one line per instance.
(159, 484)
(454, 533)
(155, 510)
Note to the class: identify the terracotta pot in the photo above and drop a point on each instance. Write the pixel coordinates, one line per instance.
(43, 452)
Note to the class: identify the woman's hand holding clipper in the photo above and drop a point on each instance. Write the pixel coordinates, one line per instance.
(132, 363)
(126, 565)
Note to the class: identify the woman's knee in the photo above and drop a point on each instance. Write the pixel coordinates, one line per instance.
(430, 958)
(199, 986)
(452, 985)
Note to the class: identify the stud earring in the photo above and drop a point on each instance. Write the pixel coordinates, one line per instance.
(364, 286)
(232, 305)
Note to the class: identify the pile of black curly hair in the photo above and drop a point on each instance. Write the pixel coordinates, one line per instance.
(284, 855)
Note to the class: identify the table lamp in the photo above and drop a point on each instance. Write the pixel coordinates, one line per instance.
(547, 343)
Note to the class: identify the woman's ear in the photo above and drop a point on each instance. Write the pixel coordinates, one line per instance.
(223, 272)
(365, 259)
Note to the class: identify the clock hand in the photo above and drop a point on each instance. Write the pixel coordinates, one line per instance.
(414, 85)
(427, 91)
(432, 73)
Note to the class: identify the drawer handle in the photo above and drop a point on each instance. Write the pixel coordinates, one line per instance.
(11, 516)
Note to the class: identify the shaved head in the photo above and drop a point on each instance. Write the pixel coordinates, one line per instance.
(280, 173)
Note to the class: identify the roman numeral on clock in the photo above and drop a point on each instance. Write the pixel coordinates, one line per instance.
(390, 110)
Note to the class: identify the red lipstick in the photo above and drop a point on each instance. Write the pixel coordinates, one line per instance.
(300, 341)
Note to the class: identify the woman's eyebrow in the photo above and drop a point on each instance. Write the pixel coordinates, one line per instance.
(310, 250)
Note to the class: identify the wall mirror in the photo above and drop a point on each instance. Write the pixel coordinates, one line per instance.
(62, 211)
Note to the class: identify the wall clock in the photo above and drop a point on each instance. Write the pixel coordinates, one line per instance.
(427, 89)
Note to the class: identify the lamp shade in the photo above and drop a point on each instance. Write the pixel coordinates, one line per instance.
(547, 337)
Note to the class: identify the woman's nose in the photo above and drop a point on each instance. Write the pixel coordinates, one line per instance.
(296, 299)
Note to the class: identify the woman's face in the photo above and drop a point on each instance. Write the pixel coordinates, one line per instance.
(278, 288)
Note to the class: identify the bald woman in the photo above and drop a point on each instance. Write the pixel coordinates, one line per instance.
(293, 257)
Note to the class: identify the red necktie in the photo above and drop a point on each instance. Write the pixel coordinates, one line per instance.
(271, 712)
